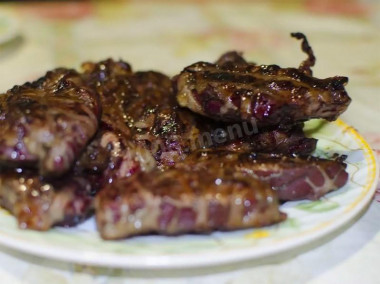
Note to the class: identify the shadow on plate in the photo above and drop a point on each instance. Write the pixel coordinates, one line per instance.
(11, 47)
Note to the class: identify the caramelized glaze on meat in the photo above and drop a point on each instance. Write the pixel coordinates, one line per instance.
(233, 90)
(179, 201)
(292, 178)
(47, 123)
(290, 141)
(140, 114)
(120, 156)
(165, 155)
(40, 204)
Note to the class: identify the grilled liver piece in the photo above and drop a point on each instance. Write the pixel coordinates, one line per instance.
(234, 90)
(46, 124)
(179, 201)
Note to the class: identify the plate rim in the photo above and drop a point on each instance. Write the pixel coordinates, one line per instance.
(187, 260)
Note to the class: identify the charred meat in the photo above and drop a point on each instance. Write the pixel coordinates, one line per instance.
(292, 178)
(47, 123)
(215, 148)
(39, 204)
(234, 90)
(290, 141)
(142, 118)
(112, 154)
(179, 201)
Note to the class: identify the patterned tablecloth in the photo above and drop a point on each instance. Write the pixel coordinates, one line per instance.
(167, 35)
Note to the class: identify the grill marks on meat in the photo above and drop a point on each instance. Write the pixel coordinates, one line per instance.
(213, 190)
(141, 108)
(292, 178)
(179, 201)
(139, 115)
(147, 155)
(289, 142)
(47, 123)
(39, 204)
(111, 80)
(156, 120)
(233, 90)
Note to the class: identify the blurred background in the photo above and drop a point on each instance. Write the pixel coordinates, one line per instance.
(167, 35)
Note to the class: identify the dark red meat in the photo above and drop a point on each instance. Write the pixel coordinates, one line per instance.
(39, 204)
(292, 178)
(233, 90)
(112, 153)
(179, 201)
(162, 168)
(142, 121)
(47, 123)
(289, 142)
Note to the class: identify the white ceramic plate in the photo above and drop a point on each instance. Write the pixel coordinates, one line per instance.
(307, 221)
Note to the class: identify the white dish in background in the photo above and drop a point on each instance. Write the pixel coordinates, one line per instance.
(307, 221)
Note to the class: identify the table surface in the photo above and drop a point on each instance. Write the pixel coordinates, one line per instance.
(167, 35)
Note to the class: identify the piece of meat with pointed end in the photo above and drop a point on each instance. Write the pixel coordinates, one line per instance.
(233, 90)
(293, 178)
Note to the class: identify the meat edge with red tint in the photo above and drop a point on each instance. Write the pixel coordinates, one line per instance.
(234, 90)
(293, 178)
(179, 201)
(47, 123)
(40, 205)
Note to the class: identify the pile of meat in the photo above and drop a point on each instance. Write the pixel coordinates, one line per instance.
(217, 147)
